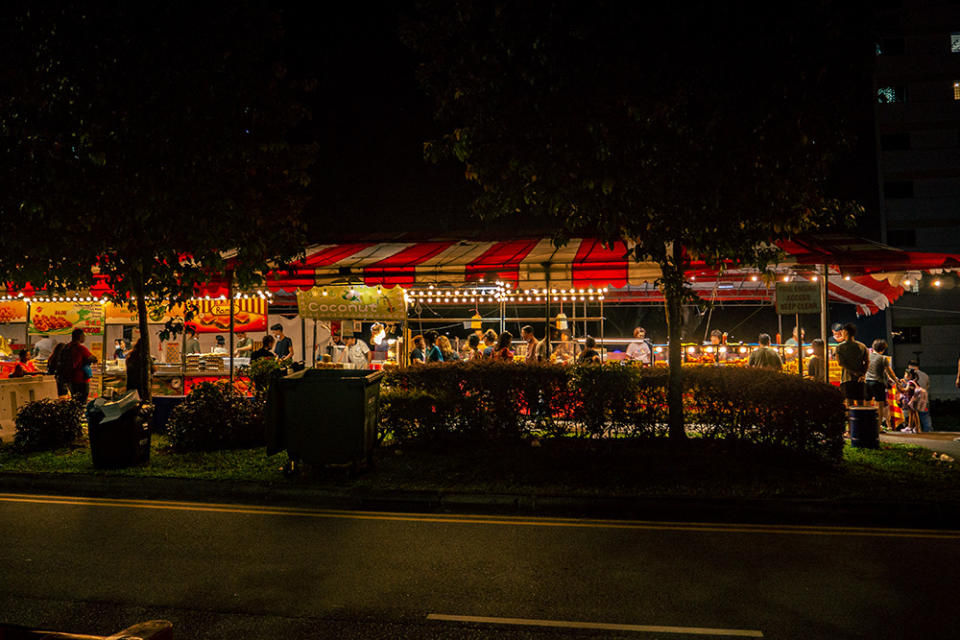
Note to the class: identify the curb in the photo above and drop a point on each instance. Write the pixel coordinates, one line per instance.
(920, 513)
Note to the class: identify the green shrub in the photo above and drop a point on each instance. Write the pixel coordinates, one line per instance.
(42, 425)
(214, 416)
(262, 372)
(492, 400)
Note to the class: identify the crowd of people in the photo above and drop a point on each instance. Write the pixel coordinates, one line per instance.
(489, 345)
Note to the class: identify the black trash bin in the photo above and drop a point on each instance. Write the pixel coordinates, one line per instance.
(119, 431)
(324, 416)
(864, 427)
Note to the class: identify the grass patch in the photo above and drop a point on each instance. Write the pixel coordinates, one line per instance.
(699, 468)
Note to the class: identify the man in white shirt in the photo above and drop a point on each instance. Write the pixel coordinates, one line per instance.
(639, 350)
(357, 353)
(44, 347)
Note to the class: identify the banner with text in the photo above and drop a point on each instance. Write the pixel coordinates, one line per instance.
(156, 313)
(352, 303)
(61, 318)
(213, 316)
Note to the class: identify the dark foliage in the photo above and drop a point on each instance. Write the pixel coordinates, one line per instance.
(503, 401)
(214, 416)
(47, 424)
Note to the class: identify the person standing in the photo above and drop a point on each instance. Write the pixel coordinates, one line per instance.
(875, 384)
(55, 367)
(640, 349)
(265, 351)
(765, 357)
(44, 347)
(432, 352)
(589, 355)
(356, 354)
(193, 342)
(817, 360)
(283, 345)
(489, 342)
(446, 349)
(922, 378)
(536, 349)
(502, 350)
(473, 348)
(78, 361)
(854, 360)
(920, 402)
(418, 355)
(243, 346)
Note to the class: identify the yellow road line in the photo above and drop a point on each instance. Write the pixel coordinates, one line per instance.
(705, 527)
(605, 626)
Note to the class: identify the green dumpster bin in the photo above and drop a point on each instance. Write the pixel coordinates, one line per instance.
(324, 416)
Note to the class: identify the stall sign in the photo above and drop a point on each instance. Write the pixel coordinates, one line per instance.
(13, 311)
(352, 303)
(798, 297)
(213, 316)
(157, 313)
(61, 318)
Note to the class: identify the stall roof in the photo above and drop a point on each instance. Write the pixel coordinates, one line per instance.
(867, 274)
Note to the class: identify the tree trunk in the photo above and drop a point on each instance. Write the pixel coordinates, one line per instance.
(675, 352)
(673, 282)
(146, 350)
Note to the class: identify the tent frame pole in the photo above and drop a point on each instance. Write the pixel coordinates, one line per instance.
(824, 320)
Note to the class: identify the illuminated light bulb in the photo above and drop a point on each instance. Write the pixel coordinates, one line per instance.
(564, 298)
(658, 349)
(456, 300)
(691, 349)
(846, 277)
(786, 278)
(431, 286)
(528, 299)
(581, 290)
(553, 290)
(809, 351)
(324, 292)
(937, 282)
(788, 351)
(906, 282)
(743, 349)
(591, 297)
(538, 298)
(590, 290)
(709, 349)
(753, 278)
(722, 349)
(693, 278)
(814, 278)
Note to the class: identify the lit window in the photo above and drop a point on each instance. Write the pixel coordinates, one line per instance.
(886, 95)
(955, 42)
(956, 90)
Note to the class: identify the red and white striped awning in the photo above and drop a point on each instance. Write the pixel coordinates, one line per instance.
(866, 274)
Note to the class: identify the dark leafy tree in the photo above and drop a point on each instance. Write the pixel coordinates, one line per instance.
(153, 143)
(692, 131)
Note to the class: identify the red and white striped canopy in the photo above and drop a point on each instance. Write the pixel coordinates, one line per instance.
(863, 273)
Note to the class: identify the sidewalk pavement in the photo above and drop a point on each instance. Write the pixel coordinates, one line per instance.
(939, 441)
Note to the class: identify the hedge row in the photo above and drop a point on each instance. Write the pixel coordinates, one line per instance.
(498, 400)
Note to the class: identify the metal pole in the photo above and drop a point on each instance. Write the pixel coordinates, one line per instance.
(799, 348)
(103, 352)
(603, 347)
(314, 343)
(232, 304)
(546, 331)
(823, 323)
(303, 338)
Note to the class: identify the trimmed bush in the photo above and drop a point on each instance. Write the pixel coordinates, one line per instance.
(42, 425)
(214, 416)
(262, 372)
(492, 400)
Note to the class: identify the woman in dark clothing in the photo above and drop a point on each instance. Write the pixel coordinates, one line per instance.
(137, 361)
(590, 355)
(502, 349)
(53, 367)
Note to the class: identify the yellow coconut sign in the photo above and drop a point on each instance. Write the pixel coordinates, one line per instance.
(352, 303)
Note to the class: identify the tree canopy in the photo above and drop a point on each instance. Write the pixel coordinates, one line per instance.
(692, 130)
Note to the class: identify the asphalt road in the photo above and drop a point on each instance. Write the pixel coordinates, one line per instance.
(229, 571)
